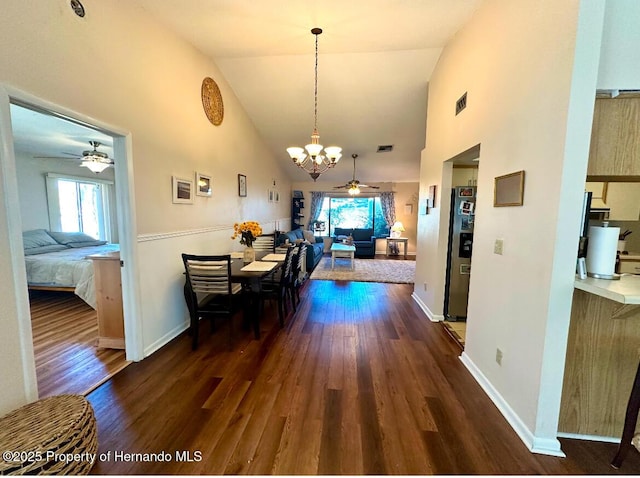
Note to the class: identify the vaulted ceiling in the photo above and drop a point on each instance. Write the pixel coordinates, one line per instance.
(375, 60)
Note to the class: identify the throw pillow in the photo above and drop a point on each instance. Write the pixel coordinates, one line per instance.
(309, 237)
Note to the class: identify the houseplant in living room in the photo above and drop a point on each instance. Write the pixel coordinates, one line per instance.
(247, 232)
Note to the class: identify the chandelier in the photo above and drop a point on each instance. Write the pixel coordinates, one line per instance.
(315, 161)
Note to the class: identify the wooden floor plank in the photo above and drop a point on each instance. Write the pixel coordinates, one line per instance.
(65, 333)
(357, 382)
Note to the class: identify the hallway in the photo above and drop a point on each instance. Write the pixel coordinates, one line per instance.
(358, 382)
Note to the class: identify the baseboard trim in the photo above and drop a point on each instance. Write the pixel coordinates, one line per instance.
(430, 315)
(576, 436)
(166, 338)
(543, 446)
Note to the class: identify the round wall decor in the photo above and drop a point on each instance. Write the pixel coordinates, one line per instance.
(212, 101)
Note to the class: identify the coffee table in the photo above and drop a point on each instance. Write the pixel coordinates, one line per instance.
(344, 251)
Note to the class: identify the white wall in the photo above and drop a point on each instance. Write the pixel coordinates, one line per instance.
(620, 55)
(530, 74)
(145, 80)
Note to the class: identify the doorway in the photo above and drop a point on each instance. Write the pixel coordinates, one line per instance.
(462, 217)
(72, 202)
(124, 226)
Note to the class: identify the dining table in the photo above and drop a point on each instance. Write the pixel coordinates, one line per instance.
(249, 276)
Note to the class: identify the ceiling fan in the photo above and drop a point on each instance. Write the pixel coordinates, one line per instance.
(353, 186)
(95, 160)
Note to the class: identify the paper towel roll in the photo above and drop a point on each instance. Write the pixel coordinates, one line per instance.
(601, 251)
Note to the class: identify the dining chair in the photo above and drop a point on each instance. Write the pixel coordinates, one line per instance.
(208, 290)
(299, 273)
(265, 242)
(278, 286)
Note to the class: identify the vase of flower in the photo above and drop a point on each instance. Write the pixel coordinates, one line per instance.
(249, 254)
(247, 231)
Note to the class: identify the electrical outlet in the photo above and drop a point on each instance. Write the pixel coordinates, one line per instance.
(498, 246)
(425, 286)
(499, 357)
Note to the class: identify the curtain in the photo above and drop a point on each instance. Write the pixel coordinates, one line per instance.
(387, 200)
(388, 203)
(316, 206)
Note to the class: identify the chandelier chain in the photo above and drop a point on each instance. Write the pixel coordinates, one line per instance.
(315, 91)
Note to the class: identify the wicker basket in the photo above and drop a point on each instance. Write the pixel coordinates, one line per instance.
(53, 436)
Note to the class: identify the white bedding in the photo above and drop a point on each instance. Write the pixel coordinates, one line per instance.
(68, 268)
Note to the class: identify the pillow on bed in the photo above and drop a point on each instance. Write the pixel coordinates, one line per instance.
(44, 249)
(76, 239)
(87, 244)
(37, 238)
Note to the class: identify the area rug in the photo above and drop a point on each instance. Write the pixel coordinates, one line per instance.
(366, 270)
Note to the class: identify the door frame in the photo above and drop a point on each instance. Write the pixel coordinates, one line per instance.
(126, 216)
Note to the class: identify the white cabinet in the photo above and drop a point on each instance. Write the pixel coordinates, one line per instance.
(623, 200)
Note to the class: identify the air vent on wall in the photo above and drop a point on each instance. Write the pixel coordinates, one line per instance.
(385, 148)
(461, 103)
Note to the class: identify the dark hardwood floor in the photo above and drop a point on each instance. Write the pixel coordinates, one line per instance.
(65, 333)
(358, 382)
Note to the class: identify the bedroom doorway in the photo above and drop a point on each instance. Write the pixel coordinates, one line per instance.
(57, 316)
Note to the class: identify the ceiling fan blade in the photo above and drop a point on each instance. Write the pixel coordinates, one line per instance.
(341, 187)
(57, 157)
(367, 186)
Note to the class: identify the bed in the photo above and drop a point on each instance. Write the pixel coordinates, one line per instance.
(58, 261)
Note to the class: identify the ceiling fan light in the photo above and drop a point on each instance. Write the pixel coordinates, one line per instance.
(354, 190)
(94, 166)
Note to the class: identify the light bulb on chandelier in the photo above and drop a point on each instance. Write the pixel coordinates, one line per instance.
(314, 161)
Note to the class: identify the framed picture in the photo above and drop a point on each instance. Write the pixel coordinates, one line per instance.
(242, 185)
(203, 185)
(270, 195)
(182, 191)
(465, 192)
(508, 190)
(432, 195)
(276, 196)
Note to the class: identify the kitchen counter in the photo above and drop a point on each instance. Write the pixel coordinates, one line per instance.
(602, 357)
(625, 291)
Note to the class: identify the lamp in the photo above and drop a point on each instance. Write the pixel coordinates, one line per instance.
(354, 190)
(314, 161)
(94, 165)
(95, 160)
(396, 229)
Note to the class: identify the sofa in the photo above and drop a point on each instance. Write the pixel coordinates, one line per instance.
(315, 249)
(363, 239)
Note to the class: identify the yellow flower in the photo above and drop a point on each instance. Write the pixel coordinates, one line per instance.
(247, 231)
